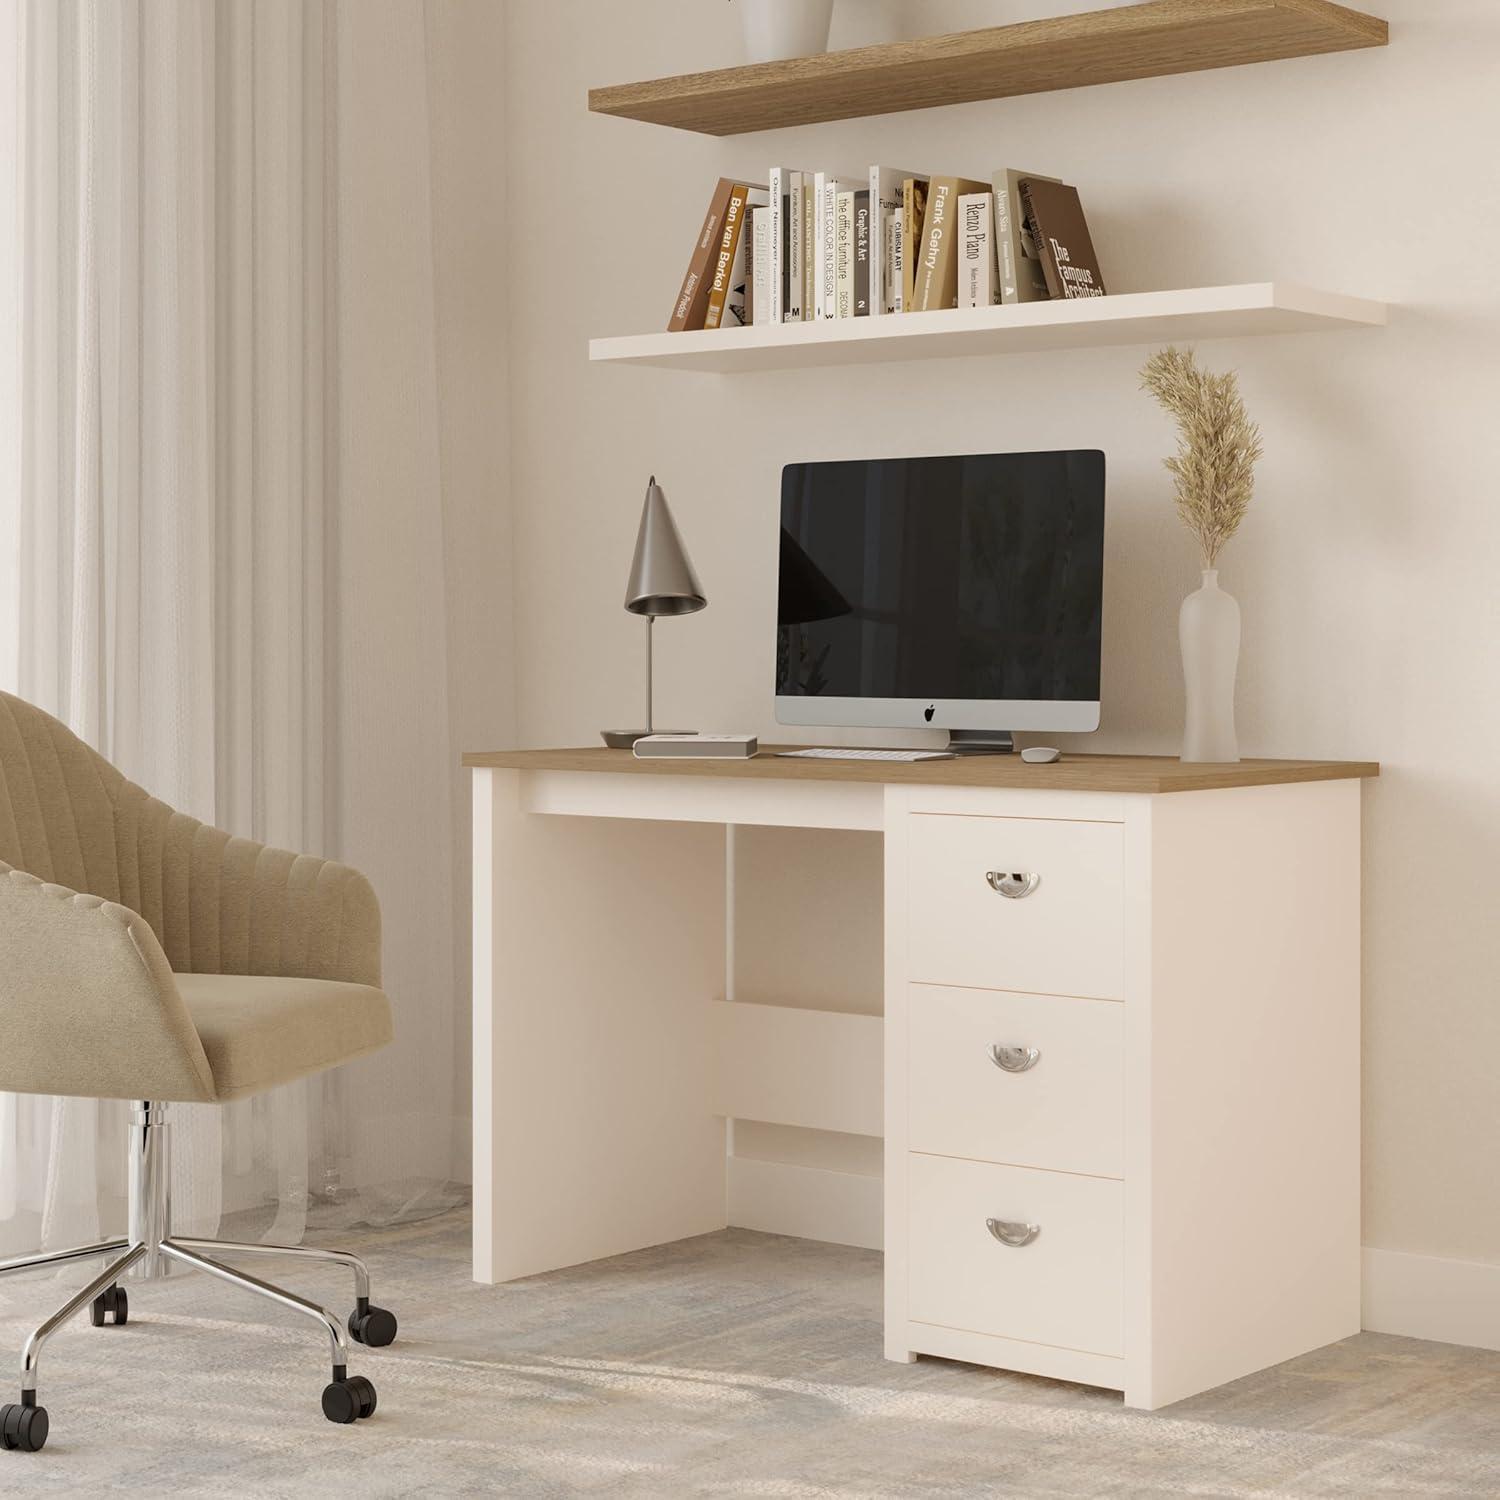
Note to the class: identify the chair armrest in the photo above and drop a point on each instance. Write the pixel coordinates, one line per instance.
(88, 1004)
(296, 915)
(226, 905)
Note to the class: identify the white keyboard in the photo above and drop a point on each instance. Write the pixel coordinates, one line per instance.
(821, 754)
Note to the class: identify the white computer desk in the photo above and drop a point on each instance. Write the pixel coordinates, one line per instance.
(1165, 1198)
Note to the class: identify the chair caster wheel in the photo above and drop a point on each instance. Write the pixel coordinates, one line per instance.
(348, 1400)
(23, 1427)
(372, 1326)
(113, 1302)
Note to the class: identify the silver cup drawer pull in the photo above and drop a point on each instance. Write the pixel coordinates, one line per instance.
(1014, 1059)
(1014, 886)
(1014, 1235)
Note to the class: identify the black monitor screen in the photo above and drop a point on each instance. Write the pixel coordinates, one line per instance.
(977, 576)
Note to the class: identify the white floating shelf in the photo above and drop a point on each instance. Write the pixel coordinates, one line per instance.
(1215, 312)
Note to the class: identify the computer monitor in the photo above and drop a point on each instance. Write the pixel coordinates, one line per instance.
(961, 593)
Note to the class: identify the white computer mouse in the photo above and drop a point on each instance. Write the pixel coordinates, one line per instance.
(1041, 755)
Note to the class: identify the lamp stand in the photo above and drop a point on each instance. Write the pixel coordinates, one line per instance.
(624, 739)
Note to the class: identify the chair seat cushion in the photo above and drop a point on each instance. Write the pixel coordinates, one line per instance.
(259, 1032)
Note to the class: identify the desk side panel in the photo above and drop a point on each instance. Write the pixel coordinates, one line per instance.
(599, 952)
(1252, 1027)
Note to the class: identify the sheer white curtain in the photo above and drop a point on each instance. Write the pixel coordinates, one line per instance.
(224, 533)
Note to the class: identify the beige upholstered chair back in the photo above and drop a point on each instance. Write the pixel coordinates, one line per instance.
(217, 904)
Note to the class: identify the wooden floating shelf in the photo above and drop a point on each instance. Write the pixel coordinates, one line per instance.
(1218, 312)
(1031, 57)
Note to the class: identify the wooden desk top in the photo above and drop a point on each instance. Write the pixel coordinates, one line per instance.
(1074, 773)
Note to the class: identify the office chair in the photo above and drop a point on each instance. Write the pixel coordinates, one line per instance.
(146, 956)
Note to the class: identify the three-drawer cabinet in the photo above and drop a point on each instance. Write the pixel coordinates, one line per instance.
(1122, 1081)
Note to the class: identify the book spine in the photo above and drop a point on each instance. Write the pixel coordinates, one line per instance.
(692, 298)
(819, 191)
(843, 255)
(877, 242)
(1006, 245)
(776, 271)
(809, 228)
(976, 278)
(937, 249)
(729, 239)
(1055, 286)
(914, 192)
(794, 283)
(832, 192)
(864, 246)
(747, 266)
(761, 221)
(908, 214)
(897, 227)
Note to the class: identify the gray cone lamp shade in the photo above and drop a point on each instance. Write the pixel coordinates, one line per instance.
(662, 582)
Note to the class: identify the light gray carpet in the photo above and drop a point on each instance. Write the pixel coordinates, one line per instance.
(735, 1364)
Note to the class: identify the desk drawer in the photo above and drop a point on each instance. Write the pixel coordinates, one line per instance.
(1062, 936)
(1063, 1111)
(1065, 1288)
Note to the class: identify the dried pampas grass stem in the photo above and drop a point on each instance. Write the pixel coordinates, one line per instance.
(1217, 446)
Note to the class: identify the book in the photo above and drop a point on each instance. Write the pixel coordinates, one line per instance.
(762, 221)
(808, 230)
(913, 207)
(843, 254)
(828, 189)
(935, 275)
(1062, 239)
(749, 269)
(692, 298)
(724, 255)
(895, 264)
(978, 285)
(794, 279)
(865, 240)
(736, 312)
(1021, 276)
(778, 278)
(820, 256)
(885, 200)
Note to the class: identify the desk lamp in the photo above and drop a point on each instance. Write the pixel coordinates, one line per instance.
(662, 582)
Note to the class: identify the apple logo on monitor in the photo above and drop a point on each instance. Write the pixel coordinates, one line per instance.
(928, 712)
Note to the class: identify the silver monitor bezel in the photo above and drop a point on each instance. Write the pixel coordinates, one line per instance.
(1059, 715)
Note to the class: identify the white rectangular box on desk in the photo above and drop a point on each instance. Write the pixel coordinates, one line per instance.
(695, 747)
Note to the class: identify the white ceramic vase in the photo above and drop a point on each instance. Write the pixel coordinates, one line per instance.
(776, 29)
(1209, 631)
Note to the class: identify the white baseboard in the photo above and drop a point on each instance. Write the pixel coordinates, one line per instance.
(845, 1208)
(1432, 1297)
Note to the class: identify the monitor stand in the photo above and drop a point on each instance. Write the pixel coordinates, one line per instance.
(980, 741)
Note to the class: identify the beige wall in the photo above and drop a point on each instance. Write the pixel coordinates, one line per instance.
(465, 46)
(1366, 571)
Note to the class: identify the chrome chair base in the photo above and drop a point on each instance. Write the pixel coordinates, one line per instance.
(149, 1245)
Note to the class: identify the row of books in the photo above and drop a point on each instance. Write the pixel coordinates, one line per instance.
(814, 245)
